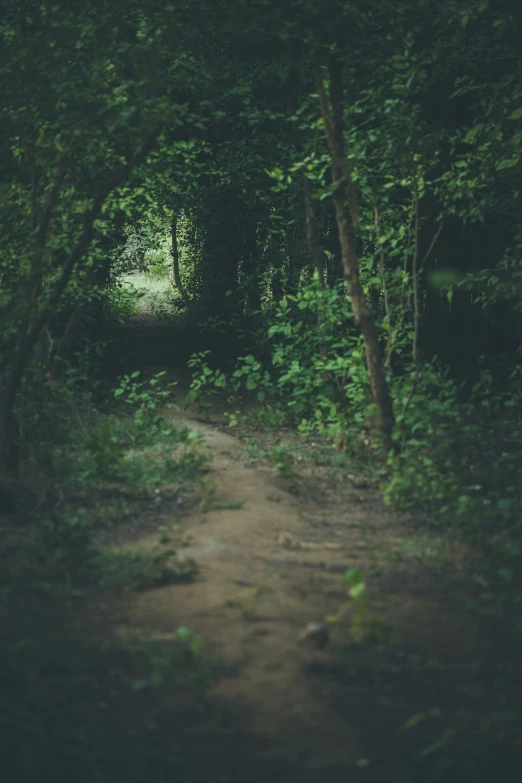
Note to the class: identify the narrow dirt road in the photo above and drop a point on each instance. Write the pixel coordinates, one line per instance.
(272, 552)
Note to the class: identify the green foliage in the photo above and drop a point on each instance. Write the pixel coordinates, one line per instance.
(456, 460)
(283, 459)
(265, 417)
(106, 450)
(313, 379)
(253, 448)
(180, 663)
(141, 450)
(123, 454)
(317, 356)
(118, 118)
(362, 628)
(140, 568)
(204, 379)
(424, 548)
(146, 247)
(65, 543)
(145, 397)
(427, 467)
(164, 307)
(356, 582)
(120, 302)
(250, 374)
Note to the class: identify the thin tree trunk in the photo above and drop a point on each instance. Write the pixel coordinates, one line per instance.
(294, 269)
(252, 264)
(175, 257)
(346, 212)
(314, 247)
(276, 283)
(382, 267)
(317, 255)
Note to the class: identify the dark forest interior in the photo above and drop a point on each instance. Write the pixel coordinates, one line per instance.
(261, 390)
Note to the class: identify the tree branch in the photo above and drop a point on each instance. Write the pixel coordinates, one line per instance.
(29, 339)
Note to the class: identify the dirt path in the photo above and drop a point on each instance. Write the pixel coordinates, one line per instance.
(271, 553)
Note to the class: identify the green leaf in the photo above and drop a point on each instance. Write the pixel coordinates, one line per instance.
(354, 577)
(470, 135)
(508, 163)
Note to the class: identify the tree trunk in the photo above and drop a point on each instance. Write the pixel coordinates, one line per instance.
(175, 258)
(276, 283)
(294, 268)
(317, 255)
(251, 266)
(314, 247)
(346, 212)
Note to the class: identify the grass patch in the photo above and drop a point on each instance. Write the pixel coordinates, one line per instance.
(424, 548)
(142, 569)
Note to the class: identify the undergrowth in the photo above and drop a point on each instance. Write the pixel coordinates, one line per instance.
(62, 688)
(456, 462)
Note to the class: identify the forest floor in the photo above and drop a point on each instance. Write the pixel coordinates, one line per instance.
(274, 699)
(272, 545)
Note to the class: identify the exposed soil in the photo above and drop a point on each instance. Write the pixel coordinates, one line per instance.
(296, 705)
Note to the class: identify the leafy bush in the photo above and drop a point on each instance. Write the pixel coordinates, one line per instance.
(456, 460)
(145, 397)
(428, 465)
(316, 375)
(116, 451)
(119, 302)
(64, 540)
